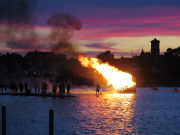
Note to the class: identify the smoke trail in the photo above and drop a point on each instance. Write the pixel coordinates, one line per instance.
(62, 29)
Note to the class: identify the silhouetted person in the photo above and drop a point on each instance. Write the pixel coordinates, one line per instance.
(25, 87)
(60, 89)
(35, 88)
(45, 87)
(63, 89)
(38, 88)
(97, 89)
(54, 88)
(155, 88)
(21, 87)
(2, 86)
(68, 89)
(11, 87)
(16, 88)
(175, 88)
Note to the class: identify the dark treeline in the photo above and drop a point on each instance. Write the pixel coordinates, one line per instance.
(164, 70)
(36, 67)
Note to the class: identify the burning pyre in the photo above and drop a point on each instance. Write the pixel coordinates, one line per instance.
(118, 79)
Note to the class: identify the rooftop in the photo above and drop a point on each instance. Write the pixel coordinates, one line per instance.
(155, 40)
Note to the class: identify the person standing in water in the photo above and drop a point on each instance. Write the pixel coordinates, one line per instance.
(97, 89)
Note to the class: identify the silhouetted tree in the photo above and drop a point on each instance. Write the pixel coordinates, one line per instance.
(105, 57)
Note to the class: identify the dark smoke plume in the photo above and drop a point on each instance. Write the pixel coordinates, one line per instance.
(62, 29)
(16, 20)
(16, 11)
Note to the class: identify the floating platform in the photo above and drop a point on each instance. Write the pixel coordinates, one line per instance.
(36, 94)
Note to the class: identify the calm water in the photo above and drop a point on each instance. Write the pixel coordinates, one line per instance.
(146, 112)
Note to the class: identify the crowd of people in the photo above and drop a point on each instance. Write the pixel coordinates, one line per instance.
(23, 88)
(62, 88)
(13, 87)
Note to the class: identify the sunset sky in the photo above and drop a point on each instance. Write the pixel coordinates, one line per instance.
(115, 25)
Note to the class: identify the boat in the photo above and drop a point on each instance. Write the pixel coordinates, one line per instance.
(176, 90)
(169, 90)
(151, 90)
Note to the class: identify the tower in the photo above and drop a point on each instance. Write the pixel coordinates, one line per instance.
(155, 51)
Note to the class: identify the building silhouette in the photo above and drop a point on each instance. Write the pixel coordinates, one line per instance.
(155, 51)
(42, 63)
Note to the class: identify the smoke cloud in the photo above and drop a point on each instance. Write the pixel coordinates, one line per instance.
(62, 29)
(16, 11)
(16, 16)
(17, 28)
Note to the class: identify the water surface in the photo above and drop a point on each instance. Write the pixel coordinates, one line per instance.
(145, 112)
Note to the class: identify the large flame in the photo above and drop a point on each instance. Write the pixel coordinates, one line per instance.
(119, 80)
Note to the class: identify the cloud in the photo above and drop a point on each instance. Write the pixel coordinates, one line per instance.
(25, 45)
(101, 46)
(133, 23)
(101, 20)
(22, 35)
(117, 54)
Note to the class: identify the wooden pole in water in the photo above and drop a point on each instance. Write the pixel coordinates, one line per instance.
(3, 120)
(51, 122)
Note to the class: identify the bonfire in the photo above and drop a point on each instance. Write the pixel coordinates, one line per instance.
(118, 79)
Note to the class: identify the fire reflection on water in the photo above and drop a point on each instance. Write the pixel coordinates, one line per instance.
(109, 113)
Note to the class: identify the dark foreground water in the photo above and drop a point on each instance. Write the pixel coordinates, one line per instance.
(146, 112)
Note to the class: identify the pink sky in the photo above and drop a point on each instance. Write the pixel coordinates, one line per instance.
(119, 27)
